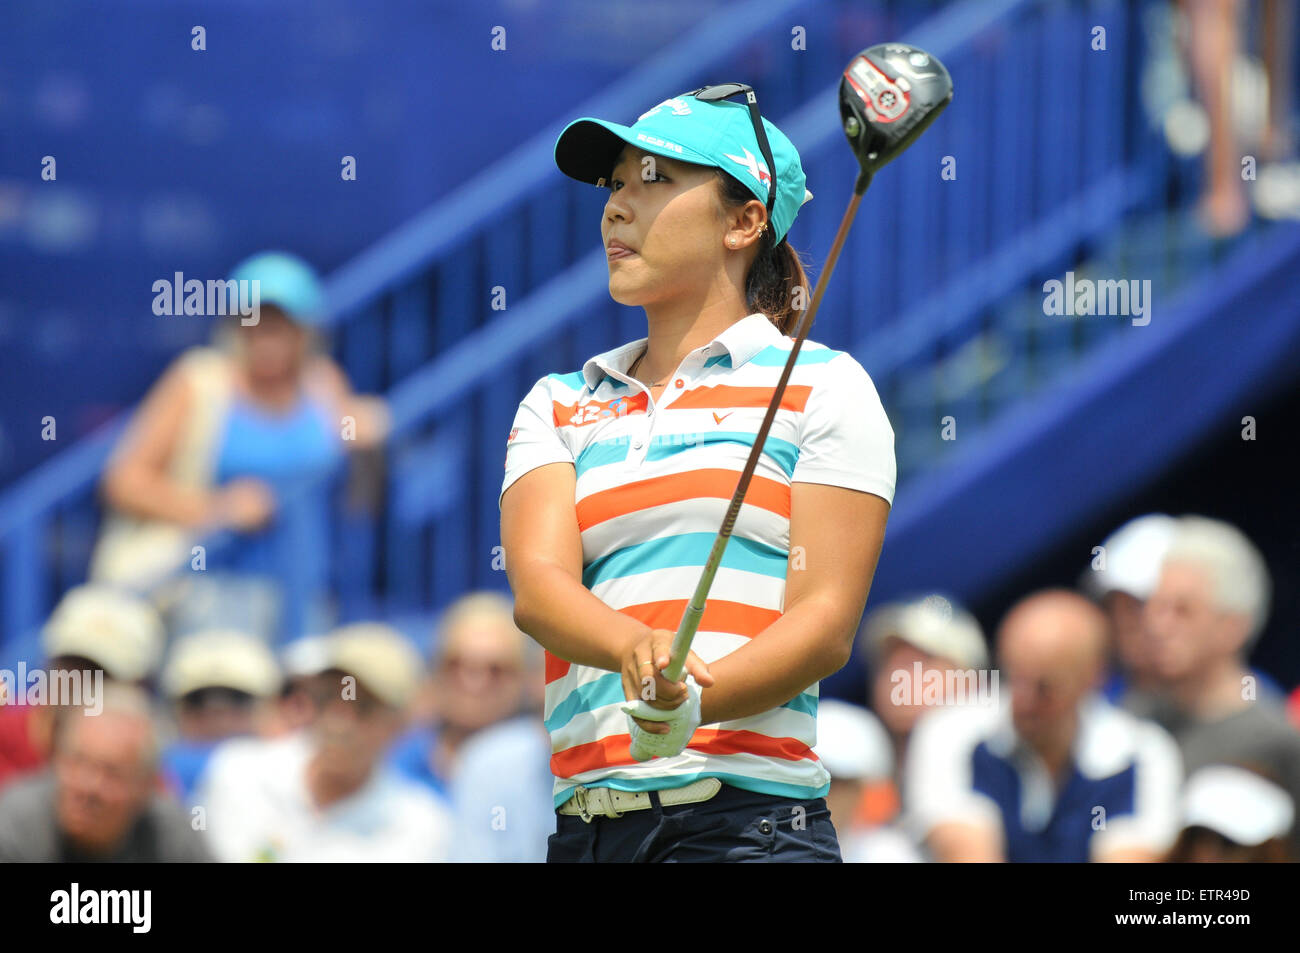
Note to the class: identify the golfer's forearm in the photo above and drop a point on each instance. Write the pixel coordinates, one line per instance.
(562, 615)
(809, 642)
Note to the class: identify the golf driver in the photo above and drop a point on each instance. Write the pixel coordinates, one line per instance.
(889, 95)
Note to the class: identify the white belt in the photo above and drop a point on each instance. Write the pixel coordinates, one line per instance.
(607, 802)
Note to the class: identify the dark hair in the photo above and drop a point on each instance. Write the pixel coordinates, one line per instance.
(1193, 839)
(776, 271)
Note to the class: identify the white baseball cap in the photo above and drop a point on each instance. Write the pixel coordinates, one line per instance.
(1134, 554)
(119, 632)
(1239, 804)
(221, 658)
(305, 656)
(382, 659)
(851, 742)
(934, 624)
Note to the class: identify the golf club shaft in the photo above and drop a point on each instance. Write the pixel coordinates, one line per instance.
(695, 608)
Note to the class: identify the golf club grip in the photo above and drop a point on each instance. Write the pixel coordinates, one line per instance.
(695, 608)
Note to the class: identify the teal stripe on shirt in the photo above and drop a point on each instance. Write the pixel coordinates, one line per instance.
(773, 356)
(685, 549)
(573, 380)
(602, 452)
(606, 690)
(783, 452)
(803, 702)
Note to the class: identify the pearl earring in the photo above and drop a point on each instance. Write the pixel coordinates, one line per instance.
(733, 243)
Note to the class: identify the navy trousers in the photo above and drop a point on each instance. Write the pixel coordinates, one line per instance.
(733, 826)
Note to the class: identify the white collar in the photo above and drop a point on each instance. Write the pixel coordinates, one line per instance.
(742, 340)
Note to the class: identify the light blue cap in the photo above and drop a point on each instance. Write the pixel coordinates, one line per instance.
(286, 281)
(715, 133)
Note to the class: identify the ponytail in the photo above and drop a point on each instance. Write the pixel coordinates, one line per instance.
(777, 284)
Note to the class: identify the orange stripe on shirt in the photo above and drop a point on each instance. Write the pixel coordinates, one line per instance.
(719, 741)
(601, 753)
(556, 667)
(763, 492)
(727, 396)
(615, 750)
(720, 615)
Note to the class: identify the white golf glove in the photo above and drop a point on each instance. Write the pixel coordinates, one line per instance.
(683, 719)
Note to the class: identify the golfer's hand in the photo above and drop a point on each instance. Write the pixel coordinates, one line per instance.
(680, 724)
(643, 664)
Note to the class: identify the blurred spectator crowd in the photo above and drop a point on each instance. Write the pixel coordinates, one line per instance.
(342, 747)
(1122, 721)
(1119, 721)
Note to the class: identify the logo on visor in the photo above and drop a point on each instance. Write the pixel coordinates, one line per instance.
(755, 167)
(656, 141)
(679, 107)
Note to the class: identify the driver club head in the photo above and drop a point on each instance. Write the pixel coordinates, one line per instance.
(889, 94)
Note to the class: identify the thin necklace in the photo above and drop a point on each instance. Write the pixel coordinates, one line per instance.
(636, 363)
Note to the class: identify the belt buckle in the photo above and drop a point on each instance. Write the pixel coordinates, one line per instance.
(580, 798)
(584, 809)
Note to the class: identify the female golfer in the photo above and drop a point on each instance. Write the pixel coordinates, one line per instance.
(618, 476)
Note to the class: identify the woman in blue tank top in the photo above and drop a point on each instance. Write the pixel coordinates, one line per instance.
(243, 438)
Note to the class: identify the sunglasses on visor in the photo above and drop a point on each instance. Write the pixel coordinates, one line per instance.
(722, 91)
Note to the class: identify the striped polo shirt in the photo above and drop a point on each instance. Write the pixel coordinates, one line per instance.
(653, 482)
